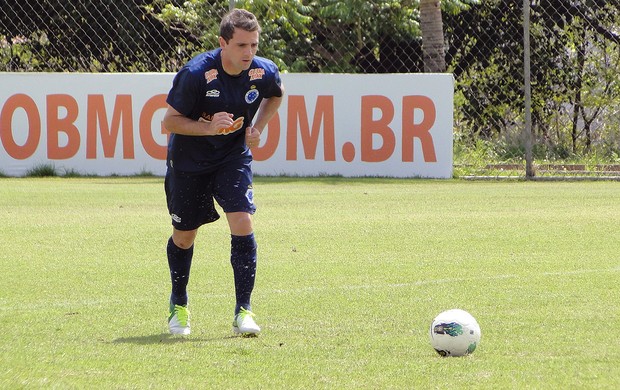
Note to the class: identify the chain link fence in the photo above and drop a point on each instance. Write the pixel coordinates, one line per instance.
(574, 57)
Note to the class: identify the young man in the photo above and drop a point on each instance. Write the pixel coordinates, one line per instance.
(212, 103)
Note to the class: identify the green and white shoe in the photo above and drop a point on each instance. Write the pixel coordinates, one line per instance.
(244, 324)
(178, 321)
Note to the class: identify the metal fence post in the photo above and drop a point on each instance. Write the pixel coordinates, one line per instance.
(527, 131)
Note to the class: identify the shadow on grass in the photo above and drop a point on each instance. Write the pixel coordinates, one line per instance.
(165, 338)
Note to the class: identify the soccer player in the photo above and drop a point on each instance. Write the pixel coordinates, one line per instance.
(219, 104)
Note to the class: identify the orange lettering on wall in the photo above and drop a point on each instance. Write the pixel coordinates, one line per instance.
(122, 118)
(421, 130)
(151, 147)
(56, 125)
(297, 115)
(381, 127)
(271, 134)
(25, 102)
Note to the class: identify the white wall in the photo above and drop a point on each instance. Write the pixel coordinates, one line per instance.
(396, 125)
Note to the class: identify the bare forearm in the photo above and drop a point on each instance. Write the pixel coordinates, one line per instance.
(178, 123)
(185, 126)
(266, 111)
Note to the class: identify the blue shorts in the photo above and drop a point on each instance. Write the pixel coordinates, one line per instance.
(190, 197)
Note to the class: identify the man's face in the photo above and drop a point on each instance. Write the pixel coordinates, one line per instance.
(239, 51)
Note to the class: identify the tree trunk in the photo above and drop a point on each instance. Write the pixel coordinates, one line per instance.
(432, 36)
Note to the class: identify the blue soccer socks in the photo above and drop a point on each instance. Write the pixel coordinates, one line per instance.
(180, 262)
(243, 260)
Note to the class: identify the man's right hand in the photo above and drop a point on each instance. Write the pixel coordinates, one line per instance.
(220, 122)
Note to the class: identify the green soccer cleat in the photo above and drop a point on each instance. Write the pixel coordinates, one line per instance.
(244, 324)
(178, 321)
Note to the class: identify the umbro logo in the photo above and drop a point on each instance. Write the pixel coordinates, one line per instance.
(213, 93)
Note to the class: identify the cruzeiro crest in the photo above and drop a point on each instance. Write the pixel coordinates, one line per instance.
(251, 95)
(250, 194)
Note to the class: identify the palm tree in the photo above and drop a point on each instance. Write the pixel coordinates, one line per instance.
(432, 36)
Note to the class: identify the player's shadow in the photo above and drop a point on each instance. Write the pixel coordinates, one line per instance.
(164, 338)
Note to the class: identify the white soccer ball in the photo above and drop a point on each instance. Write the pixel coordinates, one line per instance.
(455, 333)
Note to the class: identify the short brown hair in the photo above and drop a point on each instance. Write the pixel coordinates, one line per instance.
(238, 18)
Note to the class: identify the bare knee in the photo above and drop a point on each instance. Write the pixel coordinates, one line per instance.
(184, 239)
(240, 223)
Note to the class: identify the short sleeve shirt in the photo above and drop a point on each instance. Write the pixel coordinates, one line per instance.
(201, 89)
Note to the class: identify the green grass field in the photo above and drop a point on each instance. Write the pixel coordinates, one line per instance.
(351, 273)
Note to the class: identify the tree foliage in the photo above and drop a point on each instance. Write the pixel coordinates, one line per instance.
(101, 35)
(575, 47)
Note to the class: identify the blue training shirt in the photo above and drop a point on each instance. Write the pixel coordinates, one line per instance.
(201, 89)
